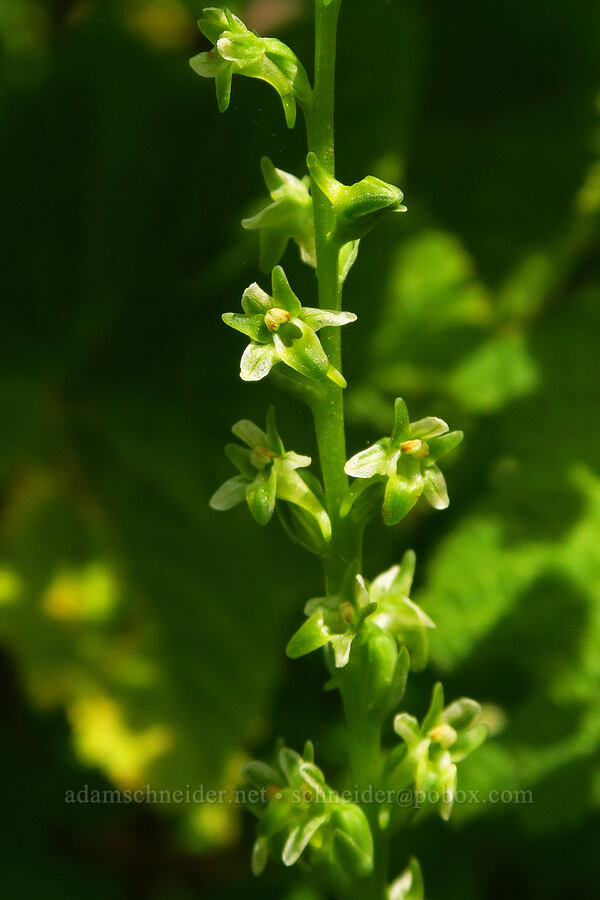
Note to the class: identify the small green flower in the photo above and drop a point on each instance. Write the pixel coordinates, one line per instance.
(333, 620)
(406, 462)
(238, 51)
(338, 620)
(397, 614)
(288, 217)
(431, 750)
(357, 207)
(282, 330)
(300, 816)
(409, 885)
(267, 473)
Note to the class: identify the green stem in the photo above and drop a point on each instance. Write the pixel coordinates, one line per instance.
(364, 737)
(328, 409)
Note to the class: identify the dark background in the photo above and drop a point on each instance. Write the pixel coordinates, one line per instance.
(143, 634)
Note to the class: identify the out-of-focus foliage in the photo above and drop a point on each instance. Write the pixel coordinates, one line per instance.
(137, 654)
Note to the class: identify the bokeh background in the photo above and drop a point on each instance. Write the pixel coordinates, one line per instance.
(142, 634)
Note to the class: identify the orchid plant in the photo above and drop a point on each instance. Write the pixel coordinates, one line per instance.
(371, 632)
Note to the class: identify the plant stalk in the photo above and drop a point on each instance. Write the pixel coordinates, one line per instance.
(364, 738)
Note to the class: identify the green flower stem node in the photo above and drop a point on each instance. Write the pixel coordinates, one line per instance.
(268, 473)
(357, 207)
(238, 51)
(362, 613)
(281, 330)
(408, 462)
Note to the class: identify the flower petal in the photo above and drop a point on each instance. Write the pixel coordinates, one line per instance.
(326, 318)
(369, 462)
(260, 495)
(292, 488)
(252, 326)
(435, 489)
(436, 707)
(401, 493)
(429, 427)
(407, 727)
(311, 635)
(409, 886)
(260, 855)
(401, 420)
(250, 433)
(440, 446)
(462, 713)
(272, 246)
(305, 355)
(283, 295)
(348, 255)
(296, 461)
(223, 86)
(229, 494)
(241, 459)
(342, 644)
(257, 361)
(255, 301)
(299, 839)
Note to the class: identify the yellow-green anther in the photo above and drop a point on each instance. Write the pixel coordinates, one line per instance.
(276, 317)
(443, 734)
(347, 612)
(418, 449)
(261, 457)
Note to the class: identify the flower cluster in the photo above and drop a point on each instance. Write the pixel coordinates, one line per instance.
(267, 473)
(281, 330)
(300, 816)
(430, 751)
(288, 217)
(238, 51)
(406, 463)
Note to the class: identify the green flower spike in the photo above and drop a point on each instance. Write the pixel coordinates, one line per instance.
(409, 885)
(357, 207)
(288, 217)
(282, 330)
(300, 816)
(406, 462)
(334, 620)
(238, 51)
(398, 615)
(431, 750)
(267, 473)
